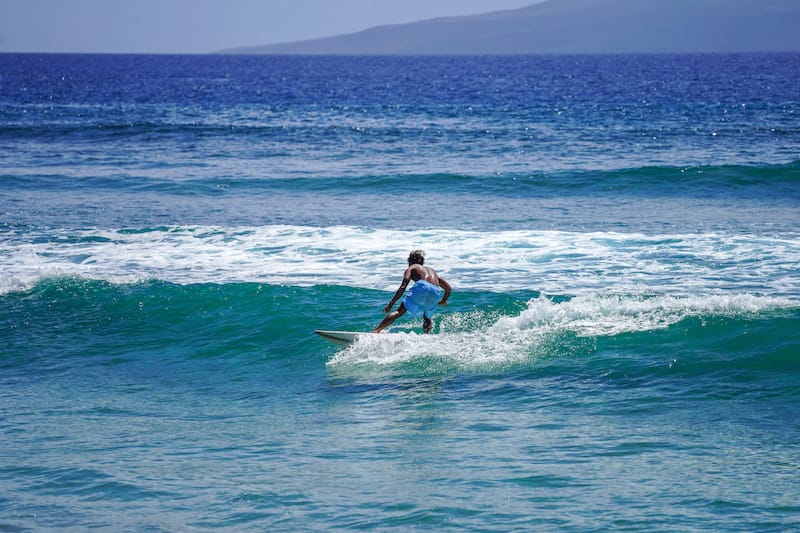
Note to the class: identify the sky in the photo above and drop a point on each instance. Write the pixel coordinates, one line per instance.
(203, 26)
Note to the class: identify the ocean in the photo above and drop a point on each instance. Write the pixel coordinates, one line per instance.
(621, 351)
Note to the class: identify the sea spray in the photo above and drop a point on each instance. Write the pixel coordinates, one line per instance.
(545, 329)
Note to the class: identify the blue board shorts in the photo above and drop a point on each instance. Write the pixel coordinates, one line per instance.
(423, 297)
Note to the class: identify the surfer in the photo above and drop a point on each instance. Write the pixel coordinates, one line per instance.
(429, 290)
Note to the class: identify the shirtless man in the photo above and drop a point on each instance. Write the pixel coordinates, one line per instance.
(429, 290)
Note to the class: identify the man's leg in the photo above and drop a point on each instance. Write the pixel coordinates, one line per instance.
(427, 325)
(391, 317)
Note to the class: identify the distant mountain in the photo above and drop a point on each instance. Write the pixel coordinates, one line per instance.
(578, 26)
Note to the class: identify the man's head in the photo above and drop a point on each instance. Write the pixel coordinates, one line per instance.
(417, 257)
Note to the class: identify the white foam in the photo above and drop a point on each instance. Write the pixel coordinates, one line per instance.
(438, 352)
(603, 315)
(543, 329)
(553, 262)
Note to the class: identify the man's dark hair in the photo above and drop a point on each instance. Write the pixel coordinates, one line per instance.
(417, 257)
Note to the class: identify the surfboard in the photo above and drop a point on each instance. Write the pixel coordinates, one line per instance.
(342, 338)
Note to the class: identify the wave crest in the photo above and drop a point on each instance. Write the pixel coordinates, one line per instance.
(545, 329)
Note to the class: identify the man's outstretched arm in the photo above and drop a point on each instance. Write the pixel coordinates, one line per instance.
(400, 290)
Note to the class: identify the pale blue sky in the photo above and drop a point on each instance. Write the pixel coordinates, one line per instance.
(200, 26)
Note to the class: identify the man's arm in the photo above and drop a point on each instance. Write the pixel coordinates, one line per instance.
(400, 290)
(447, 289)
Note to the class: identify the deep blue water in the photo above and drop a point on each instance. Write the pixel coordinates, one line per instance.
(620, 351)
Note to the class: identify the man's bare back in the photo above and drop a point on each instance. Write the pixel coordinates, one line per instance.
(419, 272)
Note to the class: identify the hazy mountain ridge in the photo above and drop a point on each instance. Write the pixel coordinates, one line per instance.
(578, 26)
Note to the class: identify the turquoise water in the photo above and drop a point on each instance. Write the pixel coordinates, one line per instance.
(620, 351)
